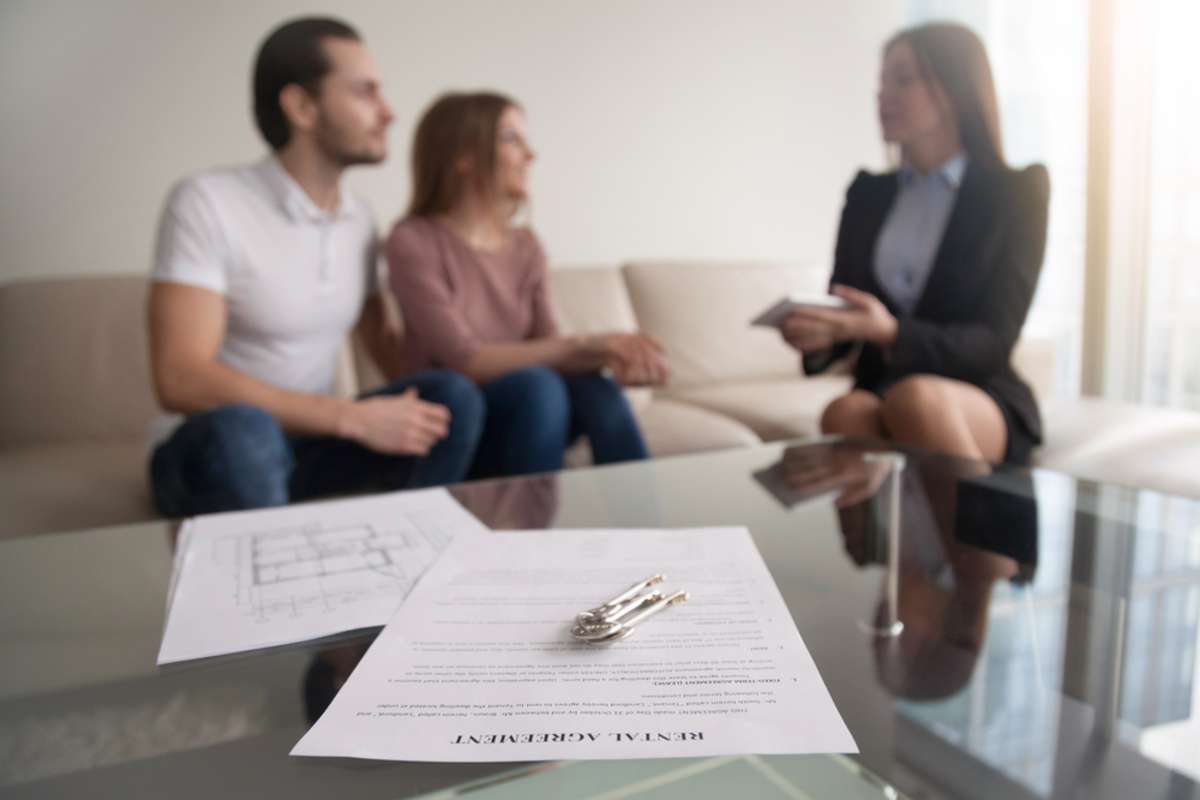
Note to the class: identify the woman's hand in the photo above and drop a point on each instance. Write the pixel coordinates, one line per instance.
(867, 319)
(807, 333)
(635, 359)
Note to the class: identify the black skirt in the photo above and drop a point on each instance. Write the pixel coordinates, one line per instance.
(1018, 441)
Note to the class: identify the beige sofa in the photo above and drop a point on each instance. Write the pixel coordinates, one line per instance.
(76, 397)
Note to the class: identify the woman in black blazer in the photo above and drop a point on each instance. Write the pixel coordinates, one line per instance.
(938, 261)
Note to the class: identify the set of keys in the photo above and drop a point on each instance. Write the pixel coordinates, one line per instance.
(616, 619)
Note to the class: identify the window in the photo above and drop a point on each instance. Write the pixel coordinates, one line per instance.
(1167, 364)
(1039, 57)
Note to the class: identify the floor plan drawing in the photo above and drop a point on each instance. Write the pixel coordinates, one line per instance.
(315, 570)
(259, 578)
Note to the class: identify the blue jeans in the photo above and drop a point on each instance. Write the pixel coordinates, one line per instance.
(534, 414)
(237, 457)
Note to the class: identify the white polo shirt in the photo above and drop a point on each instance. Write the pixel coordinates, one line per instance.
(294, 277)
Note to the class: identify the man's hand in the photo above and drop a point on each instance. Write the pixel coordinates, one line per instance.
(395, 425)
(867, 319)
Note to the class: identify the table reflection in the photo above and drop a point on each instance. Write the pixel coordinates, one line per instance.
(962, 530)
(947, 574)
(1051, 628)
(516, 504)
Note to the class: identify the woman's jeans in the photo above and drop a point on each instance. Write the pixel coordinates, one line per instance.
(534, 414)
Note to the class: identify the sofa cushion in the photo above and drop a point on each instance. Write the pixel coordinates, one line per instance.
(672, 428)
(779, 408)
(594, 300)
(591, 300)
(74, 359)
(1131, 445)
(701, 312)
(60, 487)
(1035, 358)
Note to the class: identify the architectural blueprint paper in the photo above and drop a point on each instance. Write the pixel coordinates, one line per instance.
(275, 576)
(478, 664)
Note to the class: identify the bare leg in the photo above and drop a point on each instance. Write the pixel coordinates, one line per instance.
(855, 414)
(945, 415)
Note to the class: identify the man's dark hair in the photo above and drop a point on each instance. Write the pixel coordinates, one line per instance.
(292, 53)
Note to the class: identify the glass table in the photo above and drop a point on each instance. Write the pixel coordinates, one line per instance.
(1049, 643)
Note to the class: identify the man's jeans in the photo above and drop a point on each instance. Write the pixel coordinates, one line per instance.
(237, 457)
(534, 414)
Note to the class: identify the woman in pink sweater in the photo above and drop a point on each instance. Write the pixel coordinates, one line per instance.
(472, 289)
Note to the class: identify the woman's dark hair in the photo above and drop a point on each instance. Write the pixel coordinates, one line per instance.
(292, 53)
(953, 57)
(457, 125)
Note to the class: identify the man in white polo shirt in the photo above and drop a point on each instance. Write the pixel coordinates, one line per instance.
(260, 273)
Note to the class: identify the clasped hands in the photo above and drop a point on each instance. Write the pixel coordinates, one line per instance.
(634, 359)
(812, 329)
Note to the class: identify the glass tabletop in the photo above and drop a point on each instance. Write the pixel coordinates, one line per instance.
(761, 777)
(1049, 646)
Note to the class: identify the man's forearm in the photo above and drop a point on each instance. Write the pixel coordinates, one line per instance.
(200, 388)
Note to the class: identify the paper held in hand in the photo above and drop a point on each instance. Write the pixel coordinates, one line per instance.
(774, 316)
(479, 664)
(253, 579)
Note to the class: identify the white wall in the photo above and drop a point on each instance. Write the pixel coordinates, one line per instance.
(665, 128)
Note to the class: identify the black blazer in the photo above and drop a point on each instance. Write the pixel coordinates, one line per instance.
(977, 295)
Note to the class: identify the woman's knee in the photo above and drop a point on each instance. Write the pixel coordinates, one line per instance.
(856, 413)
(594, 384)
(913, 400)
(602, 412)
(599, 398)
(537, 391)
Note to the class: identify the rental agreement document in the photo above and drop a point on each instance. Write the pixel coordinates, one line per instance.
(252, 579)
(479, 664)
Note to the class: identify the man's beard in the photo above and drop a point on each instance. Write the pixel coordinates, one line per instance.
(334, 145)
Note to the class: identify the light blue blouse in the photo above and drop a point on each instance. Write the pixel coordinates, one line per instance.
(913, 230)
